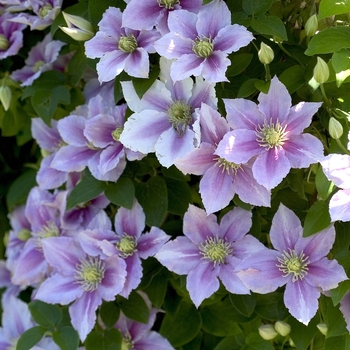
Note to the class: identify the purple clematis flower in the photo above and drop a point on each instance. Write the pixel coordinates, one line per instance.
(149, 13)
(120, 48)
(221, 179)
(11, 36)
(41, 59)
(345, 309)
(299, 263)
(271, 131)
(211, 251)
(80, 279)
(200, 43)
(164, 121)
(336, 167)
(128, 242)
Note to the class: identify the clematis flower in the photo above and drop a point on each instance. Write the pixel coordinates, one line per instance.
(272, 132)
(128, 242)
(200, 43)
(298, 262)
(149, 13)
(41, 59)
(345, 309)
(336, 167)
(164, 121)
(221, 179)
(81, 280)
(210, 251)
(120, 48)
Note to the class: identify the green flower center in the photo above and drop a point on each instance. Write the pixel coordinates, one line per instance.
(49, 230)
(126, 246)
(179, 115)
(292, 263)
(215, 249)
(168, 4)
(116, 134)
(127, 43)
(230, 167)
(271, 135)
(4, 43)
(37, 66)
(24, 234)
(127, 343)
(89, 273)
(45, 10)
(203, 47)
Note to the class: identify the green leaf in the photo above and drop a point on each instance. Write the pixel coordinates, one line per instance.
(179, 196)
(46, 315)
(323, 185)
(67, 338)
(153, 197)
(255, 342)
(77, 65)
(121, 193)
(247, 88)
(134, 307)
(110, 339)
(302, 335)
(256, 7)
(331, 7)
(269, 25)
(329, 40)
(157, 289)
(340, 342)
(317, 218)
(182, 326)
(341, 65)
(86, 190)
(30, 338)
(338, 293)
(109, 313)
(244, 304)
(142, 85)
(239, 62)
(271, 306)
(293, 78)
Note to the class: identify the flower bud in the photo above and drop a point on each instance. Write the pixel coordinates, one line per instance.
(267, 332)
(78, 28)
(311, 26)
(282, 328)
(266, 54)
(323, 328)
(5, 97)
(321, 71)
(335, 128)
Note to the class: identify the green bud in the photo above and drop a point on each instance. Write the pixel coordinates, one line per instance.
(311, 26)
(321, 71)
(282, 328)
(5, 97)
(323, 328)
(335, 128)
(267, 332)
(265, 54)
(78, 28)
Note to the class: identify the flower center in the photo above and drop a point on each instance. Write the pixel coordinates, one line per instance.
(38, 65)
(203, 47)
(179, 115)
(49, 230)
(24, 234)
(230, 167)
(215, 249)
(127, 343)
(127, 43)
(4, 43)
(126, 246)
(45, 10)
(168, 4)
(271, 135)
(116, 134)
(292, 263)
(89, 273)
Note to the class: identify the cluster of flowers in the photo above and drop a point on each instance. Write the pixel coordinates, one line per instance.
(75, 257)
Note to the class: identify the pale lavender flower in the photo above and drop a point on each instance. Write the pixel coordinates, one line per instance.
(128, 242)
(120, 48)
(271, 131)
(221, 179)
(336, 167)
(201, 43)
(298, 262)
(345, 309)
(40, 59)
(210, 252)
(149, 13)
(80, 279)
(11, 36)
(164, 121)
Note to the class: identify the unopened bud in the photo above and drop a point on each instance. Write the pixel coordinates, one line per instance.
(266, 54)
(78, 28)
(323, 328)
(267, 332)
(282, 328)
(5, 97)
(311, 26)
(321, 71)
(335, 128)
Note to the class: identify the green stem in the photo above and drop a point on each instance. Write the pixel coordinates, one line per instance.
(289, 54)
(268, 74)
(342, 146)
(325, 98)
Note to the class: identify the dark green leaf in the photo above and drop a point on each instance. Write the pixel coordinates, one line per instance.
(30, 338)
(109, 313)
(255, 342)
(271, 306)
(77, 65)
(67, 338)
(331, 7)
(110, 339)
(86, 190)
(302, 335)
(256, 7)
(293, 78)
(335, 343)
(157, 289)
(317, 218)
(46, 315)
(142, 85)
(245, 304)
(121, 193)
(323, 185)
(239, 62)
(179, 196)
(338, 293)
(247, 88)
(134, 307)
(269, 25)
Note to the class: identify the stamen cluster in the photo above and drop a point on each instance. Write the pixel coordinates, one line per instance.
(215, 249)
